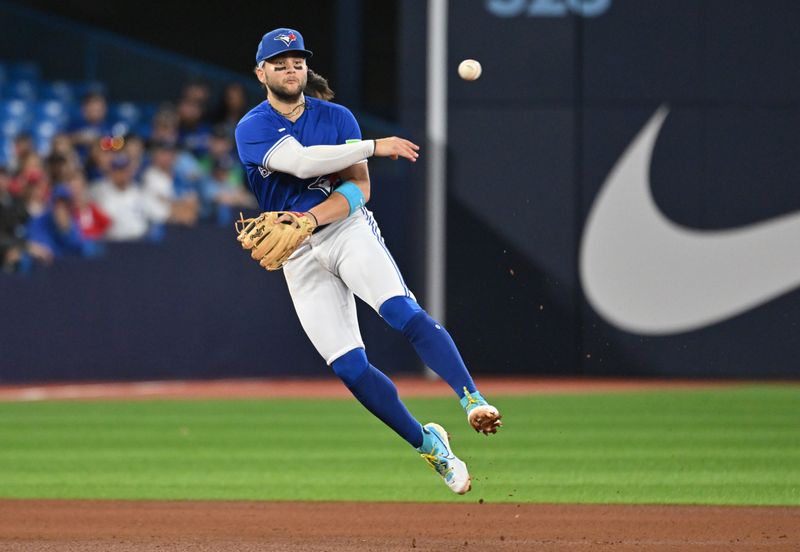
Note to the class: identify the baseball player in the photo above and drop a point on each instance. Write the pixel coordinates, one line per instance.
(306, 165)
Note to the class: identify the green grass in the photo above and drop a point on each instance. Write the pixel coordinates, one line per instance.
(731, 446)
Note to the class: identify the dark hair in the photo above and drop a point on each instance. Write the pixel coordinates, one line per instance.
(317, 86)
(56, 159)
(92, 94)
(195, 81)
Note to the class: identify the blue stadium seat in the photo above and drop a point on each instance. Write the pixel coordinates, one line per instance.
(126, 112)
(9, 128)
(21, 89)
(120, 128)
(15, 109)
(52, 110)
(43, 133)
(57, 90)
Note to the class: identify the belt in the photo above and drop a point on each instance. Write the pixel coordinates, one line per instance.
(318, 228)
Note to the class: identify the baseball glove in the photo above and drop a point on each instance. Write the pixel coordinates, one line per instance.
(272, 241)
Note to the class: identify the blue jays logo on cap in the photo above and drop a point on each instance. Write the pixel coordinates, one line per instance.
(286, 38)
(279, 41)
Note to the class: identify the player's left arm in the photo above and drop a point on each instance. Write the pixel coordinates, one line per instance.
(338, 206)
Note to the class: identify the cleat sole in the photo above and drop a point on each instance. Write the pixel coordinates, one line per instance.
(485, 419)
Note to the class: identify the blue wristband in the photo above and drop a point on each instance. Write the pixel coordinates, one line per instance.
(353, 195)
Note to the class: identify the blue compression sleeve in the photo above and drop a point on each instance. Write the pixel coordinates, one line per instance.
(378, 394)
(431, 341)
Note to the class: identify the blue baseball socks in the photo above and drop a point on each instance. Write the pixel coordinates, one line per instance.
(435, 348)
(431, 341)
(378, 394)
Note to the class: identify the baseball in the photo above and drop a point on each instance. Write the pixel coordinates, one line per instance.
(469, 69)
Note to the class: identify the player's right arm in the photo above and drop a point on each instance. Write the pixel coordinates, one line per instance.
(290, 156)
(336, 207)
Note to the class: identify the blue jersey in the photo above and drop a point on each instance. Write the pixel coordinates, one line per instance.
(262, 130)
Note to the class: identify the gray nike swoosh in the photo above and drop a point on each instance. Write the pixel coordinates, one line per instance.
(646, 274)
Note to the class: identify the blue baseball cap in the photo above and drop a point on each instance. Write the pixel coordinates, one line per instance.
(280, 41)
(61, 192)
(120, 161)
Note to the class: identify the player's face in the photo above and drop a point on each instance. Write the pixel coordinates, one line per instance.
(285, 76)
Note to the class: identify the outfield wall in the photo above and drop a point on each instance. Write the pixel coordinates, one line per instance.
(701, 284)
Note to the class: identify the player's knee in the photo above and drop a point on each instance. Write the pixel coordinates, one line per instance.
(398, 311)
(351, 366)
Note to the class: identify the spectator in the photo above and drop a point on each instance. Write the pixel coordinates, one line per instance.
(12, 221)
(193, 133)
(56, 230)
(92, 221)
(198, 91)
(220, 143)
(223, 183)
(224, 192)
(165, 125)
(132, 215)
(22, 148)
(187, 172)
(29, 169)
(220, 146)
(159, 185)
(17, 254)
(134, 147)
(98, 162)
(60, 167)
(62, 145)
(91, 125)
(232, 107)
(32, 185)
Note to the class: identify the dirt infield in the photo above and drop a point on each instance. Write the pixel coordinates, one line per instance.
(328, 388)
(109, 526)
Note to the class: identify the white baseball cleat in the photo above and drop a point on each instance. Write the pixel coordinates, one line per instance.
(435, 450)
(482, 416)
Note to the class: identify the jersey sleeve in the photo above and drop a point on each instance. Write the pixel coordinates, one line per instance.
(348, 127)
(256, 143)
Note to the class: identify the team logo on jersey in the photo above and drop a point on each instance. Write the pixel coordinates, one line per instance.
(264, 172)
(324, 184)
(286, 38)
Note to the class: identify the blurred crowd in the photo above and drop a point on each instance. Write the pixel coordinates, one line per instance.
(97, 184)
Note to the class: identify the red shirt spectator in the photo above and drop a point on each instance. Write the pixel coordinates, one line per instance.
(92, 220)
